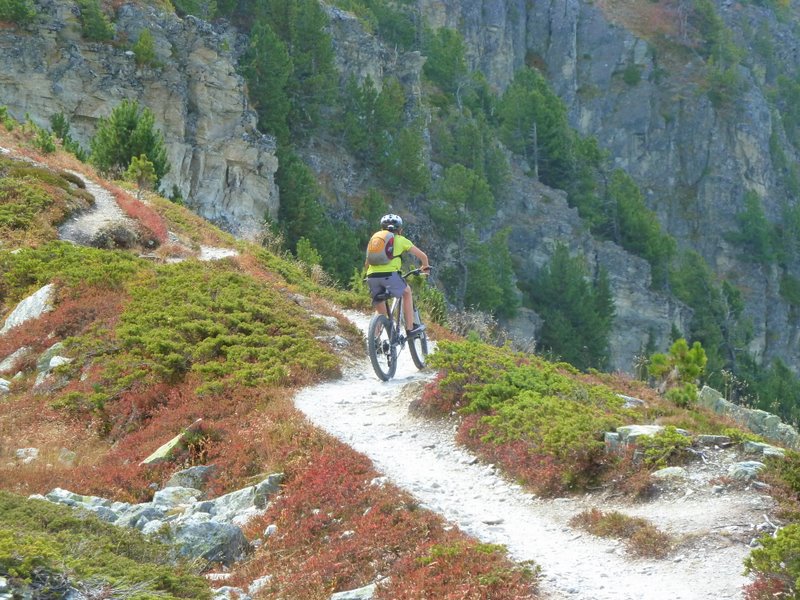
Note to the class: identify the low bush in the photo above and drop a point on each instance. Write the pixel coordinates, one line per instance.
(72, 266)
(776, 565)
(539, 422)
(41, 542)
(639, 535)
(154, 230)
(343, 531)
(33, 201)
(667, 447)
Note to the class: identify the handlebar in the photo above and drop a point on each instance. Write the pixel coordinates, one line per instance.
(417, 271)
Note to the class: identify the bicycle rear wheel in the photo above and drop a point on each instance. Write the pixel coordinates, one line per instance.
(382, 354)
(418, 346)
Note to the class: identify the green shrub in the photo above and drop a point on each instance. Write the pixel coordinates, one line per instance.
(24, 271)
(684, 396)
(39, 537)
(218, 323)
(526, 411)
(145, 49)
(679, 370)
(6, 119)
(129, 131)
(632, 75)
(663, 448)
(779, 558)
(20, 203)
(95, 24)
(60, 127)
(44, 141)
(204, 9)
(21, 12)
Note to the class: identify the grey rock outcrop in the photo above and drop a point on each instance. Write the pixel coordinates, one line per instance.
(363, 593)
(196, 528)
(760, 422)
(32, 307)
(221, 165)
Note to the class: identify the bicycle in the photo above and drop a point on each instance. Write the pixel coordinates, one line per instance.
(386, 336)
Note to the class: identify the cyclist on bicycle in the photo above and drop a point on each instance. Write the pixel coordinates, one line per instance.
(386, 275)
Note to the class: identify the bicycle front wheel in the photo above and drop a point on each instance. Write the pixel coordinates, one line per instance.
(418, 346)
(382, 353)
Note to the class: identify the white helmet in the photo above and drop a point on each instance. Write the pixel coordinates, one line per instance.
(391, 222)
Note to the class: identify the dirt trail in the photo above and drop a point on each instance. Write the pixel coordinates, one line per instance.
(85, 226)
(421, 457)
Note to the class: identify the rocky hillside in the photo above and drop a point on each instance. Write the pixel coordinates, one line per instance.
(220, 164)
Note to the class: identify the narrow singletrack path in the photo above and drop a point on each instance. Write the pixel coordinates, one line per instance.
(420, 456)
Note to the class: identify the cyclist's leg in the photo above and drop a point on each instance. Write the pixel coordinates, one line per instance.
(378, 286)
(408, 308)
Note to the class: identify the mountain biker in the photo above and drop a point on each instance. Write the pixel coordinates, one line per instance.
(387, 277)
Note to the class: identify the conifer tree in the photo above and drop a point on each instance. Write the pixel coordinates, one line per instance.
(20, 12)
(142, 173)
(267, 67)
(463, 201)
(445, 64)
(577, 316)
(129, 131)
(145, 48)
(95, 24)
(301, 26)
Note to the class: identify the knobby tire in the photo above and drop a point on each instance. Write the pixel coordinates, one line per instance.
(418, 346)
(382, 353)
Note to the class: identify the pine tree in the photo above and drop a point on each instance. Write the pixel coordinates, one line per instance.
(301, 26)
(145, 48)
(755, 234)
(462, 202)
(445, 64)
(129, 131)
(94, 23)
(577, 316)
(21, 12)
(267, 68)
(142, 173)
(300, 213)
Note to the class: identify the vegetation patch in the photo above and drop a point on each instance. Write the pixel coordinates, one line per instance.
(540, 422)
(44, 546)
(639, 535)
(33, 201)
(344, 531)
(71, 266)
(664, 448)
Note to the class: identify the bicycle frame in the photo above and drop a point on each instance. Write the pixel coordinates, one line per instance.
(383, 351)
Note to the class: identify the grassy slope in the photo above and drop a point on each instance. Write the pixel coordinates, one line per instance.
(157, 345)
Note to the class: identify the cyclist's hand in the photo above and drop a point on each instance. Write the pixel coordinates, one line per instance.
(426, 269)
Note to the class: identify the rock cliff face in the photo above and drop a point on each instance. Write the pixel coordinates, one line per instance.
(694, 161)
(222, 166)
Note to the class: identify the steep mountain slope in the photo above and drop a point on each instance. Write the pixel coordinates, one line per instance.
(712, 526)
